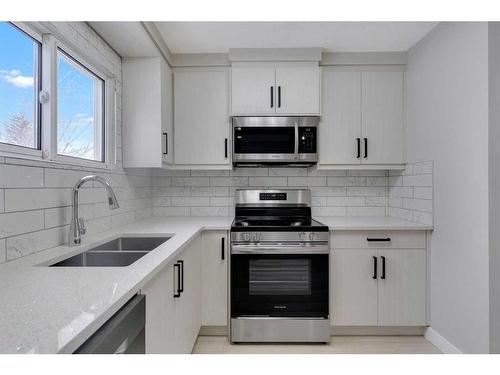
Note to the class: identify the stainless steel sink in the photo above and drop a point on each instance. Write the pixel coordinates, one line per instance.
(120, 252)
(131, 244)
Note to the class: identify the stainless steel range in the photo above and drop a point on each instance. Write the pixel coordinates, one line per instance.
(279, 269)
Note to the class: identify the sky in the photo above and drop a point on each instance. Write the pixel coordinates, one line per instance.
(75, 88)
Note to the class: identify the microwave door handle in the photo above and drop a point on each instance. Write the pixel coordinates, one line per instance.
(296, 140)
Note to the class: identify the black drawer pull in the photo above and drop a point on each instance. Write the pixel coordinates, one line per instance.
(388, 239)
(374, 268)
(366, 147)
(223, 248)
(181, 284)
(358, 141)
(166, 143)
(272, 96)
(383, 268)
(177, 293)
(225, 148)
(279, 96)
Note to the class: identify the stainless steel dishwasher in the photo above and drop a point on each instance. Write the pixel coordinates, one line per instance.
(123, 333)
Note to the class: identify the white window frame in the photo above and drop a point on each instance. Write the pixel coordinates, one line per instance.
(48, 131)
(7, 149)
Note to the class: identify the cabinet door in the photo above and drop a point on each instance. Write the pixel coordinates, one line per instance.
(201, 116)
(161, 312)
(353, 291)
(214, 255)
(142, 113)
(401, 295)
(297, 90)
(340, 126)
(167, 109)
(252, 90)
(188, 304)
(382, 117)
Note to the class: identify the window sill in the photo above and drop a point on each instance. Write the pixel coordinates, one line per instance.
(35, 156)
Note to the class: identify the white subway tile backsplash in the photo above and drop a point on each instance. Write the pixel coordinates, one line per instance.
(418, 204)
(56, 217)
(346, 181)
(32, 199)
(2, 204)
(345, 201)
(190, 201)
(368, 191)
(25, 244)
(15, 223)
(268, 181)
(410, 193)
(329, 211)
(15, 176)
(306, 181)
(3, 251)
(376, 201)
(228, 181)
(365, 211)
(287, 172)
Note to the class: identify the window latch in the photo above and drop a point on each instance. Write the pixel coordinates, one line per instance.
(43, 97)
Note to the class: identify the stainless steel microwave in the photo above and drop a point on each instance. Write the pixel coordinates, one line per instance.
(290, 141)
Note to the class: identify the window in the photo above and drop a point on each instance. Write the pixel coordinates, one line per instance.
(80, 110)
(19, 87)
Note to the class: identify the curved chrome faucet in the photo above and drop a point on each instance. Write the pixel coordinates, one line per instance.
(77, 226)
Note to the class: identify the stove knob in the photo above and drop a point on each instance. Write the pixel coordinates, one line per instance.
(312, 236)
(302, 236)
(254, 237)
(246, 236)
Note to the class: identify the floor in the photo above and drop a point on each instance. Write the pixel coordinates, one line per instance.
(338, 345)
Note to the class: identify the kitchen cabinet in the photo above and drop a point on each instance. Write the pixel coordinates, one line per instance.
(173, 318)
(378, 281)
(214, 275)
(201, 118)
(362, 119)
(268, 89)
(147, 113)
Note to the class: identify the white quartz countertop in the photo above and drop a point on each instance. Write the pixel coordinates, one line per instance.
(55, 309)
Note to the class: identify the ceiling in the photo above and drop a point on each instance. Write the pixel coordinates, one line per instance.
(218, 37)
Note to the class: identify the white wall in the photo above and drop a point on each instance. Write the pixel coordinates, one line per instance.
(447, 120)
(494, 183)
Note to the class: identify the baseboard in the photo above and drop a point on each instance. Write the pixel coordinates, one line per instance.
(213, 331)
(376, 331)
(440, 342)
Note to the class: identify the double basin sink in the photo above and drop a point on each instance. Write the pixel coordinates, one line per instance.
(120, 252)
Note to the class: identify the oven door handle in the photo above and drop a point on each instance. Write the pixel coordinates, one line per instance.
(238, 249)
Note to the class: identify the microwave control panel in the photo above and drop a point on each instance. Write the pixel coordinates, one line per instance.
(307, 140)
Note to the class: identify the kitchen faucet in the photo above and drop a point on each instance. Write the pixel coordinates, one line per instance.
(77, 226)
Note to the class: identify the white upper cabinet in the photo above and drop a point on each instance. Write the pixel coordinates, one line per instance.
(362, 119)
(253, 90)
(382, 113)
(268, 89)
(147, 112)
(340, 127)
(297, 90)
(201, 118)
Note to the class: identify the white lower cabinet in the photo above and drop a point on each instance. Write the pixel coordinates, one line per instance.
(214, 273)
(374, 284)
(173, 323)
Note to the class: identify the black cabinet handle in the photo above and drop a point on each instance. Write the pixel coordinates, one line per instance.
(366, 147)
(177, 293)
(166, 143)
(181, 284)
(225, 148)
(279, 96)
(358, 141)
(383, 268)
(388, 239)
(223, 248)
(374, 268)
(272, 96)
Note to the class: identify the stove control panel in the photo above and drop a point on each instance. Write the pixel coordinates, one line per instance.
(272, 196)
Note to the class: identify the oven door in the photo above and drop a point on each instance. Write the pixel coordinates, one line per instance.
(279, 285)
(265, 143)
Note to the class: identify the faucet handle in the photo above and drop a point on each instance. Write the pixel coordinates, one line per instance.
(82, 226)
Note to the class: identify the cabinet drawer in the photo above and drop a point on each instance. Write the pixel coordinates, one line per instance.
(379, 239)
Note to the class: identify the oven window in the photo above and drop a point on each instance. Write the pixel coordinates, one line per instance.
(264, 140)
(279, 277)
